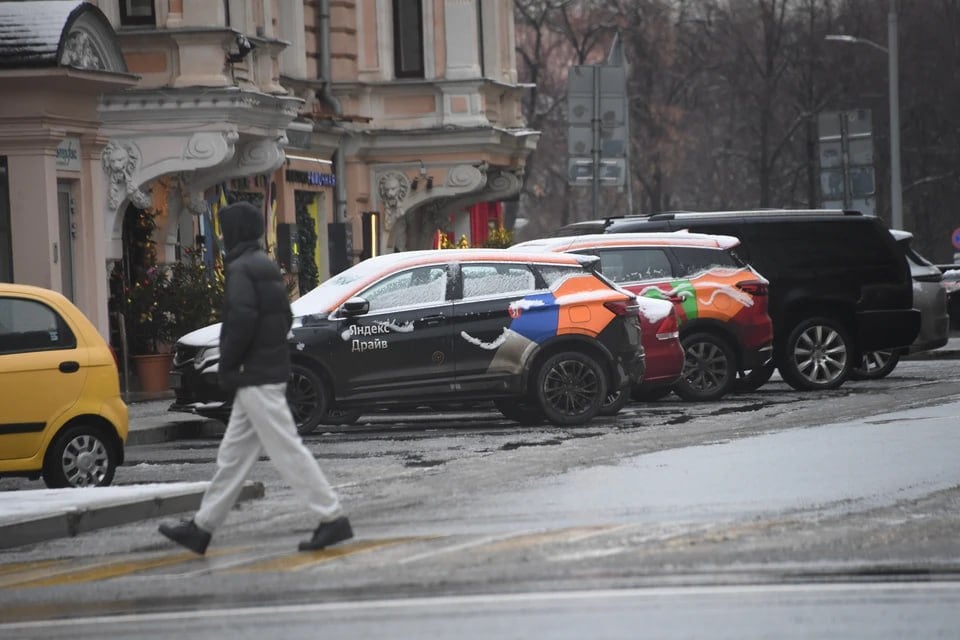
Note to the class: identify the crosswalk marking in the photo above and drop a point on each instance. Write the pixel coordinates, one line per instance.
(304, 560)
(101, 572)
(545, 537)
(17, 567)
(560, 545)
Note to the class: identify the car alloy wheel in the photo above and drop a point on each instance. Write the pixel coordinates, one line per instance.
(817, 355)
(615, 402)
(709, 368)
(307, 397)
(80, 456)
(876, 365)
(570, 388)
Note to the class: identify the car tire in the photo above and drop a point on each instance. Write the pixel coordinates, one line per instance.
(817, 355)
(643, 394)
(752, 380)
(614, 402)
(570, 388)
(875, 365)
(308, 398)
(80, 456)
(519, 411)
(709, 368)
(341, 417)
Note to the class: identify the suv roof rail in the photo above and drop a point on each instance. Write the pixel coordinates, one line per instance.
(756, 212)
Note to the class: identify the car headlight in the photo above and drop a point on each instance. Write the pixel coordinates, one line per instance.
(206, 356)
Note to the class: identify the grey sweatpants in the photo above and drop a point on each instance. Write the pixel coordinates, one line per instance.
(261, 419)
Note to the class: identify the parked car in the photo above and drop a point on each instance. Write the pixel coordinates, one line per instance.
(951, 283)
(840, 286)
(61, 413)
(930, 298)
(663, 351)
(721, 302)
(537, 334)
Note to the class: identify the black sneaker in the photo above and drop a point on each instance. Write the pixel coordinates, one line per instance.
(187, 534)
(328, 533)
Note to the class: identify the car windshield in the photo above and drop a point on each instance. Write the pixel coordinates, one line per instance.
(333, 290)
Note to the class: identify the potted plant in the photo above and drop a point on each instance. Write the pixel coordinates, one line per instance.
(152, 322)
(194, 294)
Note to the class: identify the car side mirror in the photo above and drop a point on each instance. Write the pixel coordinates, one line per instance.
(354, 307)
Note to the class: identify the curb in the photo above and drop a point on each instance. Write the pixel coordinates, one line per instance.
(71, 523)
(175, 430)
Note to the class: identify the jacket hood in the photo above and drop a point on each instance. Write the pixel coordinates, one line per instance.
(240, 222)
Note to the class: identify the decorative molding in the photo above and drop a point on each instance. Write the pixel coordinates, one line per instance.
(225, 105)
(255, 157)
(392, 187)
(121, 162)
(465, 177)
(130, 163)
(81, 50)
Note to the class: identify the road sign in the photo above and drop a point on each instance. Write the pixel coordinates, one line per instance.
(597, 132)
(847, 178)
(612, 171)
(956, 238)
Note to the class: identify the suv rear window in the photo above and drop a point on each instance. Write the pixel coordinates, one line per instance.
(694, 260)
(629, 264)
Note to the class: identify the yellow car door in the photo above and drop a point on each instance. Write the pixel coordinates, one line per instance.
(42, 373)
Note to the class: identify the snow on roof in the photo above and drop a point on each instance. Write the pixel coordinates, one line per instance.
(30, 32)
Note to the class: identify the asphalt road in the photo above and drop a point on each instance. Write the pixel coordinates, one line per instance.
(776, 513)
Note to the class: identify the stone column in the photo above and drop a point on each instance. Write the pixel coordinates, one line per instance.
(33, 189)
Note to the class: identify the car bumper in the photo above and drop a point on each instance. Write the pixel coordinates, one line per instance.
(630, 369)
(886, 330)
(215, 410)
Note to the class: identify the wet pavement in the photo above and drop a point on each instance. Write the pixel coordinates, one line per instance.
(28, 516)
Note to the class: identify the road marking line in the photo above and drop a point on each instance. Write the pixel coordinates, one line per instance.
(105, 571)
(19, 567)
(304, 560)
(466, 545)
(547, 537)
(589, 554)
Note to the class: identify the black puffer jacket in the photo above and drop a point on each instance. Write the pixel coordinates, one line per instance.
(256, 310)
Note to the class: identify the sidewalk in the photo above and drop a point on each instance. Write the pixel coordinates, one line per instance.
(152, 422)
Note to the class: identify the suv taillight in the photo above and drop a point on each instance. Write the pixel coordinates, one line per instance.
(622, 307)
(668, 329)
(753, 287)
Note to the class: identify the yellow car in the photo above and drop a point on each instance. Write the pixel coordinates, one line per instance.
(61, 413)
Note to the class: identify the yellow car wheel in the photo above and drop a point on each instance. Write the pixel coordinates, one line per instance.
(80, 456)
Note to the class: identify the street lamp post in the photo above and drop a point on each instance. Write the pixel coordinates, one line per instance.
(896, 186)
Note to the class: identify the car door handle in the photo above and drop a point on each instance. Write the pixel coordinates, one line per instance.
(432, 321)
(69, 366)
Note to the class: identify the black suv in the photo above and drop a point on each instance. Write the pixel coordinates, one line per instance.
(840, 285)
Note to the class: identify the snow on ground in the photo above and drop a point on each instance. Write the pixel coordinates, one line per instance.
(24, 505)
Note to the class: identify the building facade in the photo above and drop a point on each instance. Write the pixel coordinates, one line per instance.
(359, 127)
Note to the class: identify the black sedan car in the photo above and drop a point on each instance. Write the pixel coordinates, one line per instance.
(541, 335)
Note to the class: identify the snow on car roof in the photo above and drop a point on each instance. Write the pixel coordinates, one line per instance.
(682, 238)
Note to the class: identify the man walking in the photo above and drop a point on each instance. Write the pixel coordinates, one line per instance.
(255, 364)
